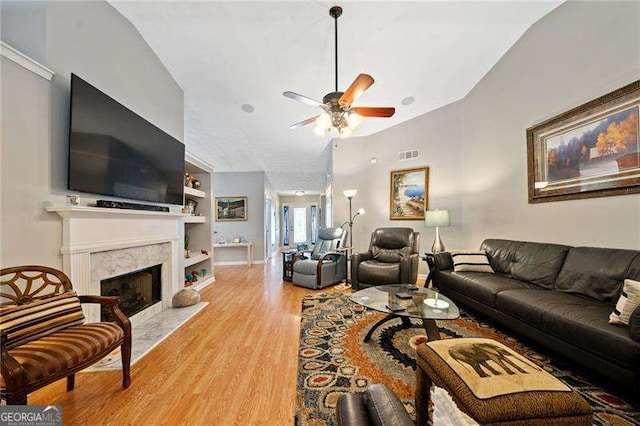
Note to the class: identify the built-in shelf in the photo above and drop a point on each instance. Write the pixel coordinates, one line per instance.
(189, 261)
(95, 211)
(194, 192)
(195, 219)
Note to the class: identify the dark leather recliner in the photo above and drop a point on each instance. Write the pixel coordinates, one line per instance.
(377, 406)
(327, 266)
(392, 258)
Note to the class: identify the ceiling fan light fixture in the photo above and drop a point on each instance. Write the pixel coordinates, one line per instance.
(353, 120)
(324, 120)
(319, 130)
(344, 132)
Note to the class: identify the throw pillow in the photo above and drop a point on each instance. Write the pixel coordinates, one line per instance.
(634, 325)
(24, 323)
(627, 303)
(466, 261)
(389, 255)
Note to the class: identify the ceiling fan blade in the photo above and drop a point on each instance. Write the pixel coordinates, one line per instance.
(304, 99)
(304, 122)
(357, 88)
(375, 111)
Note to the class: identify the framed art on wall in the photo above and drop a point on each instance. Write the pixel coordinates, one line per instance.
(231, 208)
(590, 151)
(409, 194)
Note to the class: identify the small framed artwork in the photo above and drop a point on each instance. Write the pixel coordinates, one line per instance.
(231, 208)
(409, 194)
(590, 151)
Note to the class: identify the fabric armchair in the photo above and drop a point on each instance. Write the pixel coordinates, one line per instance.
(392, 258)
(40, 313)
(327, 264)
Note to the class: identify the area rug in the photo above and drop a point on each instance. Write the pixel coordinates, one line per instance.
(333, 359)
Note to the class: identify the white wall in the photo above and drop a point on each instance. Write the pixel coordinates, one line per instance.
(577, 53)
(476, 147)
(93, 40)
(438, 135)
(252, 186)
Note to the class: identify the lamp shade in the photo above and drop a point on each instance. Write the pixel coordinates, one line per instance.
(360, 211)
(350, 193)
(433, 218)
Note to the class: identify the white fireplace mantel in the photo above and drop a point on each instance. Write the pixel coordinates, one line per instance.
(90, 230)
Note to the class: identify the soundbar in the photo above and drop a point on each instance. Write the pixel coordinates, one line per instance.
(130, 206)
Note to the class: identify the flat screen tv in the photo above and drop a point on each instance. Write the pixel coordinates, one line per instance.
(113, 151)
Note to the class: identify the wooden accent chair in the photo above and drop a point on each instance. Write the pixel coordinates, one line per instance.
(44, 335)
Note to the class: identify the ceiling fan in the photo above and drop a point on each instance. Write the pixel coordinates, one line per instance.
(337, 107)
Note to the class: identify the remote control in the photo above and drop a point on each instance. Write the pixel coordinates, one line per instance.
(394, 307)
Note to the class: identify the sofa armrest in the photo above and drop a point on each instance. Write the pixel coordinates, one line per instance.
(14, 375)
(112, 303)
(443, 261)
(409, 269)
(356, 260)
(351, 411)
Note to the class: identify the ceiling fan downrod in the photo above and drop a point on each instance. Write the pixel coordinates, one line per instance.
(335, 13)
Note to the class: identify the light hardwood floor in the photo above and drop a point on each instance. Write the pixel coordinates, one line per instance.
(235, 362)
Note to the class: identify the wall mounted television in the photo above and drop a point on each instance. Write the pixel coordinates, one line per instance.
(113, 151)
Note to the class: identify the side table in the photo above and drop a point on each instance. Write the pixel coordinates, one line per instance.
(288, 259)
(430, 259)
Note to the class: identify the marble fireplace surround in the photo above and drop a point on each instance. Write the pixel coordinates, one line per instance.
(100, 243)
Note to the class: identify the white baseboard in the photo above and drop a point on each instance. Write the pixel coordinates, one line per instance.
(199, 286)
(239, 262)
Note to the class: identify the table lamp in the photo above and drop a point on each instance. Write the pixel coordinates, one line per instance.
(436, 219)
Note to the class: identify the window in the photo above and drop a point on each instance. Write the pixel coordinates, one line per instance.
(299, 224)
(314, 224)
(285, 225)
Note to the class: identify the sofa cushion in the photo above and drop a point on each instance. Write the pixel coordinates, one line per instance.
(40, 317)
(500, 254)
(578, 320)
(372, 271)
(537, 263)
(481, 286)
(634, 269)
(65, 349)
(634, 325)
(595, 272)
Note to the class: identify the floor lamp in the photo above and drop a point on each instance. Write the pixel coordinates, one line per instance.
(350, 193)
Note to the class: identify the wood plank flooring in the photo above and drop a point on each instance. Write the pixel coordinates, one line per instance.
(235, 362)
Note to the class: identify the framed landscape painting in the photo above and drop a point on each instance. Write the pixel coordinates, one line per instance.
(590, 151)
(409, 194)
(231, 208)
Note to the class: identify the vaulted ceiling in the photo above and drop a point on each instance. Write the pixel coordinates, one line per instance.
(228, 54)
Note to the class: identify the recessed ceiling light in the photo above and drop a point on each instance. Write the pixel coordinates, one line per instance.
(247, 108)
(374, 160)
(299, 193)
(408, 100)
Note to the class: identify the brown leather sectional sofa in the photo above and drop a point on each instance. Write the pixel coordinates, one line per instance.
(556, 295)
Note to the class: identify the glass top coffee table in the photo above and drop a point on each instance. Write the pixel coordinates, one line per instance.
(421, 304)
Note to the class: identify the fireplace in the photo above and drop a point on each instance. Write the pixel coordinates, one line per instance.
(137, 290)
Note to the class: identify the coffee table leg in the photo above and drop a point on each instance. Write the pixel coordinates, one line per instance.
(432, 329)
(376, 325)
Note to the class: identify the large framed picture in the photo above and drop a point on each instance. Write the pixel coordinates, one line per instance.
(409, 194)
(590, 151)
(231, 208)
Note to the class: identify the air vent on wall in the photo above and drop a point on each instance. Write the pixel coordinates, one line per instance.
(408, 155)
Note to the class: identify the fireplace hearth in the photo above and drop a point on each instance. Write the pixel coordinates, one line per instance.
(137, 290)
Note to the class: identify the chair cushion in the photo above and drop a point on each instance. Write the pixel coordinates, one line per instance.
(65, 349)
(578, 320)
(378, 273)
(40, 317)
(306, 267)
(481, 286)
(389, 255)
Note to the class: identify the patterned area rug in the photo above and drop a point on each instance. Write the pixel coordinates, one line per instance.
(333, 359)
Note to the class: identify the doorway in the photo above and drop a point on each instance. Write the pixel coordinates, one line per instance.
(299, 224)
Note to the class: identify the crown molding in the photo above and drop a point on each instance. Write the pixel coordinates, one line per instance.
(24, 61)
